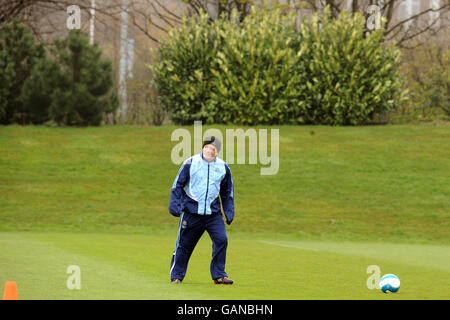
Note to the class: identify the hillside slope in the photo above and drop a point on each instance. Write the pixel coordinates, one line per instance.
(353, 183)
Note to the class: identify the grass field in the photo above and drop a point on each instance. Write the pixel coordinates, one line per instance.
(344, 198)
(118, 266)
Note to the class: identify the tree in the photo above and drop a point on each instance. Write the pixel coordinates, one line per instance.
(161, 15)
(402, 30)
(75, 89)
(19, 52)
(428, 75)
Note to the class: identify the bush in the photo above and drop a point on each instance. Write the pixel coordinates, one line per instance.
(75, 88)
(253, 74)
(352, 75)
(263, 71)
(184, 71)
(19, 53)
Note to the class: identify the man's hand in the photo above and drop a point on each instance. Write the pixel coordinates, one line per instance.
(175, 214)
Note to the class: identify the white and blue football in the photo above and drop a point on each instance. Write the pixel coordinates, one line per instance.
(389, 283)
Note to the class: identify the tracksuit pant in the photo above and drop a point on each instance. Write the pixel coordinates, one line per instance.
(191, 228)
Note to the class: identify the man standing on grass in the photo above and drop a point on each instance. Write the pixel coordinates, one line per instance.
(202, 180)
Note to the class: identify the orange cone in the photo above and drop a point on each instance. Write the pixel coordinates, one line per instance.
(10, 292)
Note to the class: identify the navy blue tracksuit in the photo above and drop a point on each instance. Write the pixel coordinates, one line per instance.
(195, 199)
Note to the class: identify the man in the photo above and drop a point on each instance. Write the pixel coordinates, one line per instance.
(200, 182)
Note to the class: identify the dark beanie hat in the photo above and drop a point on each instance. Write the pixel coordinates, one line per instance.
(214, 141)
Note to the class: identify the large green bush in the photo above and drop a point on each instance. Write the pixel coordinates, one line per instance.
(352, 75)
(184, 70)
(253, 72)
(265, 71)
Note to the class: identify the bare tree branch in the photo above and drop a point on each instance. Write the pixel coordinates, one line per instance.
(416, 16)
(160, 15)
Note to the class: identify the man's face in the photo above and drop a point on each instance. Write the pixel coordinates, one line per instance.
(209, 152)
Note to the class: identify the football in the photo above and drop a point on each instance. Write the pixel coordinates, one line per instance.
(389, 283)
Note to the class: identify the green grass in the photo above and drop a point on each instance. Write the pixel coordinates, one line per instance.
(347, 183)
(122, 266)
(344, 198)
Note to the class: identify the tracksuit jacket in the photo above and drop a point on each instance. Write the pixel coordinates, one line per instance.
(199, 184)
(195, 198)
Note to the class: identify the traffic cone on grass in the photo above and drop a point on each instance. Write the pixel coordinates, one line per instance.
(10, 292)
